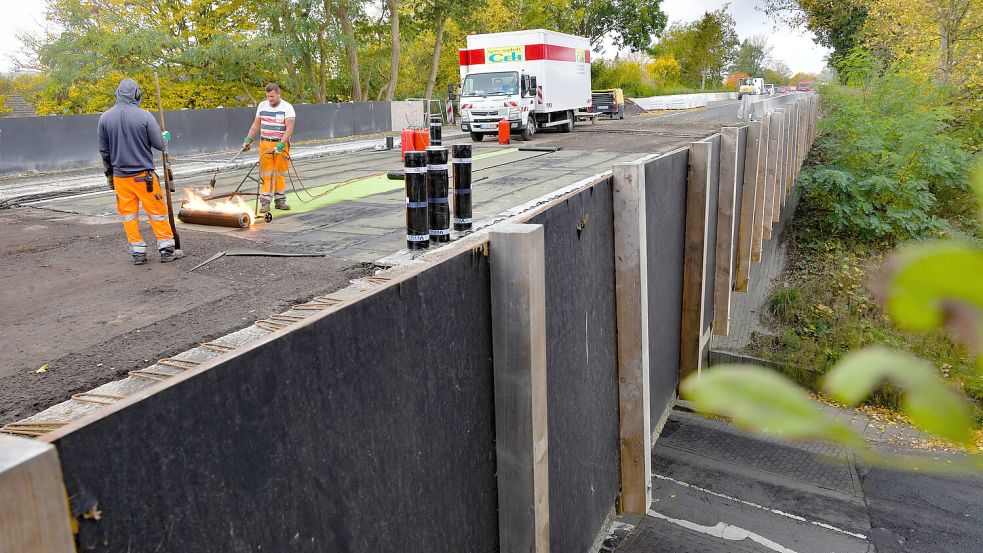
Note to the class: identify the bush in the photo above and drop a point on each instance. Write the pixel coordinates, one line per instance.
(884, 156)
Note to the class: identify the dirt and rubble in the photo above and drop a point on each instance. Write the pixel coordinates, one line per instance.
(114, 316)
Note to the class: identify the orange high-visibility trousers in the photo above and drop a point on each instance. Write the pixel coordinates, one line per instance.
(130, 193)
(272, 172)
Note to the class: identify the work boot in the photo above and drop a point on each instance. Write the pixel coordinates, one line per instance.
(263, 209)
(283, 206)
(139, 258)
(170, 254)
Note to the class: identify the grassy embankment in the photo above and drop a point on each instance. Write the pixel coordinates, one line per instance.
(889, 166)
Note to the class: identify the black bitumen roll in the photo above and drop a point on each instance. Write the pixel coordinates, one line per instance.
(417, 219)
(213, 218)
(437, 190)
(435, 130)
(396, 174)
(462, 187)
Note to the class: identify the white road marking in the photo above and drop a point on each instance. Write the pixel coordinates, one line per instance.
(725, 531)
(756, 506)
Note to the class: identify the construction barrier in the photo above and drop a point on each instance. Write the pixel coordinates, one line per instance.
(71, 141)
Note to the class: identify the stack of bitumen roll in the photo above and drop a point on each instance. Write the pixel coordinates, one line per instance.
(462, 187)
(417, 216)
(437, 192)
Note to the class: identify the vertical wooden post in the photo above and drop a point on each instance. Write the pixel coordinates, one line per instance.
(775, 167)
(726, 200)
(518, 293)
(793, 144)
(770, 175)
(694, 266)
(631, 295)
(745, 231)
(803, 134)
(786, 133)
(34, 515)
(759, 195)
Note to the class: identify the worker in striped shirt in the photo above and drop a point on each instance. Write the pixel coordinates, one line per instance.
(275, 124)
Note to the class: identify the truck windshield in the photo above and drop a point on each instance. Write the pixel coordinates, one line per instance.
(745, 81)
(491, 84)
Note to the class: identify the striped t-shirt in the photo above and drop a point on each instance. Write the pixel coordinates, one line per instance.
(274, 119)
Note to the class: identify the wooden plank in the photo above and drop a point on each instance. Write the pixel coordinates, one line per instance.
(631, 295)
(775, 167)
(726, 200)
(518, 293)
(694, 256)
(34, 510)
(745, 231)
(759, 194)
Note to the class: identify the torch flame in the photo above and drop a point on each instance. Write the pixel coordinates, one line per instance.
(195, 199)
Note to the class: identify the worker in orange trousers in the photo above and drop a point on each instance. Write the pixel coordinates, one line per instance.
(275, 123)
(127, 137)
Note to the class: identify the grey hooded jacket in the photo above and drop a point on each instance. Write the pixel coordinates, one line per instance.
(127, 133)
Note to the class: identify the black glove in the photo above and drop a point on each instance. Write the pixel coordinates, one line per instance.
(109, 179)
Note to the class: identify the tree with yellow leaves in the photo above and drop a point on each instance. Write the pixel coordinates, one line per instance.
(942, 38)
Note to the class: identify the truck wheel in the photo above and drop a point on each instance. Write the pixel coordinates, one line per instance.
(529, 130)
(740, 95)
(477, 136)
(567, 127)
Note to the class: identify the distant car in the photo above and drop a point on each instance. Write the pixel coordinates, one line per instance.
(804, 86)
(769, 89)
(784, 89)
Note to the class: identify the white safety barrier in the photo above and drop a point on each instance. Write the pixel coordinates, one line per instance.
(682, 101)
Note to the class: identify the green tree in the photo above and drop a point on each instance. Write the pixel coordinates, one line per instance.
(704, 48)
(753, 56)
(777, 73)
(630, 24)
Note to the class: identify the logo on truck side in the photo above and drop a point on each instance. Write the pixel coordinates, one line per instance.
(503, 54)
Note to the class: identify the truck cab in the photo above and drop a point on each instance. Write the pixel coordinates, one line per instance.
(533, 79)
(750, 85)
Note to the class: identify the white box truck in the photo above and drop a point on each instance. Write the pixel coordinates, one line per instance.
(535, 79)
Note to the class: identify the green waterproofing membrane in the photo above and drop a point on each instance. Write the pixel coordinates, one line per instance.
(376, 184)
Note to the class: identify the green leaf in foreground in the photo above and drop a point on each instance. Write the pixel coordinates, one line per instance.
(759, 399)
(933, 405)
(931, 277)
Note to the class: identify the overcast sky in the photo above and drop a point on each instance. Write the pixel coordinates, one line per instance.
(794, 47)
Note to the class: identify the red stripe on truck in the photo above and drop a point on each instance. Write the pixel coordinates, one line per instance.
(472, 57)
(533, 52)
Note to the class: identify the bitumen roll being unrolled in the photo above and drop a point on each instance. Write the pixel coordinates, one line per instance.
(214, 218)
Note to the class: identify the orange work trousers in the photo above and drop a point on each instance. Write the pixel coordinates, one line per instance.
(272, 172)
(130, 193)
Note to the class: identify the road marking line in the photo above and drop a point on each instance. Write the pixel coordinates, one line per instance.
(756, 506)
(724, 531)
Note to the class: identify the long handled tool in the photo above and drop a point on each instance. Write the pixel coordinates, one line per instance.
(167, 172)
(211, 183)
